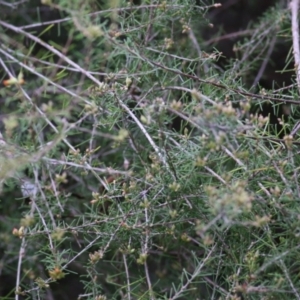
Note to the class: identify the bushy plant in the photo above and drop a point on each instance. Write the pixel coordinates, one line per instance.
(133, 166)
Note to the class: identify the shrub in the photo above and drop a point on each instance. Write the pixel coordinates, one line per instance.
(133, 166)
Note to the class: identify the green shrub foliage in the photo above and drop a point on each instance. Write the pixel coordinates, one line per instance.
(135, 163)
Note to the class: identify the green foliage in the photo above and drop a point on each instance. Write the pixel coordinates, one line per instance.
(132, 166)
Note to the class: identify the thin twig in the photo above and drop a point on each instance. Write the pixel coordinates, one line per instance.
(294, 6)
(196, 273)
(21, 255)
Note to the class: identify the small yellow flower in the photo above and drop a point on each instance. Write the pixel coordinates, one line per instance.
(56, 273)
(14, 80)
